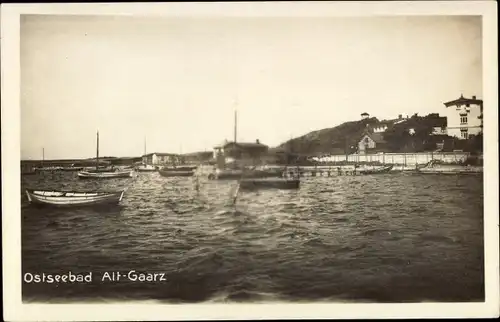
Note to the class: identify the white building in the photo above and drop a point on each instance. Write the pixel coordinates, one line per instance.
(160, 158)
(464, 117)
(382, 126)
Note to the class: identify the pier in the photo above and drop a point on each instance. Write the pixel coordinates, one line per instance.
(345, 170)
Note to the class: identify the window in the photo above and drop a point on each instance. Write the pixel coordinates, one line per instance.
(464, 134)
(463, 119)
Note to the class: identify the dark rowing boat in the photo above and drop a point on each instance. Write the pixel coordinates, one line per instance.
(176, 173)
(269, 183)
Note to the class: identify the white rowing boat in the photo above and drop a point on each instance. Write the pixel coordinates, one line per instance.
(73, 198)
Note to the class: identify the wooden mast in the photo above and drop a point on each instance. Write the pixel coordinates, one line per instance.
(235, 124)
(43, 156)
(97, 153)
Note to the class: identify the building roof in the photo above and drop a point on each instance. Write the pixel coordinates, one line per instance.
(245, 145)
(388, 122)
(376, 137)
(160, 154)
(463, 101)
(365, 113)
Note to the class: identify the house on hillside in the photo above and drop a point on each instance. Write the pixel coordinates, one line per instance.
(371, 142)
(228, 152)
(382, 126)
(464, 117)
(157, 158)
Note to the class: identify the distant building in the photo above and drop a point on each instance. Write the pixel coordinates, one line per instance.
(365, 115)
(371, 142)
(464, 117)
(160, 158)
(230, 151)
(382, 126)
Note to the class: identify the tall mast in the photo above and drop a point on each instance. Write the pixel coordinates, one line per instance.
(235, 124)
(97, 154)
(144, 145)
(43, 156)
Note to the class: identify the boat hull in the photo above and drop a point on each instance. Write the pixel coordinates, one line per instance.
(238, 174)
(278, 183)
(72, 169)
(105, 175)
(48, 169)
(433, 167)
(449, 171)
(169, 173)
(147, 169)
(385, 169)
(73, 198)
(100, 170)
(181, 168)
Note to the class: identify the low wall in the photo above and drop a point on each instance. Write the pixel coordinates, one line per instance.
(397, 158)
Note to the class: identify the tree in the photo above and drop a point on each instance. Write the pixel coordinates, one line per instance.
(412, 135)
(474, 144)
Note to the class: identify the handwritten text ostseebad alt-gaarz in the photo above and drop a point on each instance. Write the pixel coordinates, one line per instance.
(116, 276)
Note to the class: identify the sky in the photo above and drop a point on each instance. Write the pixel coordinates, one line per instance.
(175, 82)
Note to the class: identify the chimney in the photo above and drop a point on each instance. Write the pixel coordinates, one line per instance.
(474, 97)
(400, 116)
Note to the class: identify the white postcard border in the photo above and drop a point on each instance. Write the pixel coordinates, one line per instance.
(15, 310)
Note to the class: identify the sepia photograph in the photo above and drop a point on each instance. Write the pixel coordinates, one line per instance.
(256, 157)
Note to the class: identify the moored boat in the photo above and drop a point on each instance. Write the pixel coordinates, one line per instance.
(176, 173)
(437, 167)
(73, 198)
(269, 183)
(380, 170)
(72, 168)
(142, 166)
(105, 175)
(181, 168)
(235, 174)
(48, 168)
(100, 169)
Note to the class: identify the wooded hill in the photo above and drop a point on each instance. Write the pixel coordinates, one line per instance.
(334, 140)
(414, 134)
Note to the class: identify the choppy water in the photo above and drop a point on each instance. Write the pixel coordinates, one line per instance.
(381, 238)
